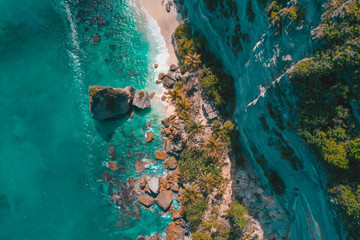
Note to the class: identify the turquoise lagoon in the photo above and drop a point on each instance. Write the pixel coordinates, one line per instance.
(53, 179)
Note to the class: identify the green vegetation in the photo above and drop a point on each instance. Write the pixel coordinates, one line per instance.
(237, 214)
(193, 128)
(326, 84)
(194, 211)
(183, 107)
(217, 85)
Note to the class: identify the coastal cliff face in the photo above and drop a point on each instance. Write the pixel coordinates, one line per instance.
(285, 189)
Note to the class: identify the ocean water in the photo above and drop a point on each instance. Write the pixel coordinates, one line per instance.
(54, 183)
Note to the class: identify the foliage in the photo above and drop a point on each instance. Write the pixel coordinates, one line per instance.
(175, 94)
(192, 61)
(194, 211)
(193, 128)
(199, 235)
(237, 214)
(213, 147)
(183, 107)
(191, 192)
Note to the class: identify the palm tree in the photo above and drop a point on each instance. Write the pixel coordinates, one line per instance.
(195, 128)
(183, 107)
(191, 192)
(192, 61)
(207, 182)
(176, 94)
(213, 147)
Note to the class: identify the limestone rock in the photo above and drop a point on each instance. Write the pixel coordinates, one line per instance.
(175, 231)
(161, 155)
(154, 185)
(168, 82)
(110, 103)
(173, 67)
(149, 136)
(141, 99)
(146, 201)
(164, 199)
(171, 163)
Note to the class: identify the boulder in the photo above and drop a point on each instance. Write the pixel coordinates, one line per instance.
(110, 103)
(158, 81)
(163, 98)
(175, 231)
(143, 182)
(173, 67)
(210, 112)
(161, 155)
(149, 136)
(112, 165)
(111, 150)
(171, 163)
(164, 199)
(156, 65)
(152, 95)
(168, 82)
(146, 201)
(154, 185)
(172, 146)
(177, 214)
(166, 122)
(141, 99)
(161, 76)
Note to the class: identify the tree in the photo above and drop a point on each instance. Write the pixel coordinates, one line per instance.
(175, 94)
(191, 192)
(207, 182)
(183, 107)
(192, 61)
(213, 147)
(193, 128)
(237, 214)
(355, 149)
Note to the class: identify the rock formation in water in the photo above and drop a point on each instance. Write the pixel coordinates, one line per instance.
(110, 103)
(141, 99)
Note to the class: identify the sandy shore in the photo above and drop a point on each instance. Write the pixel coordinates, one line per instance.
(168, 22)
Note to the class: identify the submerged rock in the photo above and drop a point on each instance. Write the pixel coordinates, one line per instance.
(146, 201)
(154, 185)
(175, 231)
(141, 99)
(161, 155)
(110, 103)
(149, 136)
(164, 200)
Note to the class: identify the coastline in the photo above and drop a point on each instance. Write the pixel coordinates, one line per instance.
(167, 21)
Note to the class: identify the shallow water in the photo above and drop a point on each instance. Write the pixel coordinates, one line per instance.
(52, 154)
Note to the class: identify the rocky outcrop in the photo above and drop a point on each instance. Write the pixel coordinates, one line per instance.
(161, 155)
(168, 82)
(172, 146)
(154, 185)
(210, 112)
(110, 103)
(173, 67)
(176, 231)
(171, 163)
(141, 99)
(164, 200)
(146, 201)
(149, 136)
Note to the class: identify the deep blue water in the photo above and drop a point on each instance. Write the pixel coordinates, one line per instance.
(52, 154)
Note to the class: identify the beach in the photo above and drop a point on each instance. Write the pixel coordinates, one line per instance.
(168, 22)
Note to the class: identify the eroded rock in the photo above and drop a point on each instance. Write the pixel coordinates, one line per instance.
(154, 185)
(161, 155)
(146, 201)
(164, 199)
(141, 99)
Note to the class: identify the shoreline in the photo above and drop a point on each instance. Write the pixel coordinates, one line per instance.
(167, 21)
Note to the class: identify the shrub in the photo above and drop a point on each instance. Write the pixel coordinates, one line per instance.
(237, 214)
(194, 212)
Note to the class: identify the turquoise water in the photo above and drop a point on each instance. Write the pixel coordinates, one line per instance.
(52, 154)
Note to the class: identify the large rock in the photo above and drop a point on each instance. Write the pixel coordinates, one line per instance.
(149, 136)
(175, 231)
(141, 99)
(146, 201)
(168, 82)
(154, 185)
(161, 155)
(171, 163)
(164, 199)
(173, 67)
(210, 111)
(110, 103)
(172, 146)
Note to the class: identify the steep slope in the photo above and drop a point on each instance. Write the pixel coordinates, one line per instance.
(289, 195)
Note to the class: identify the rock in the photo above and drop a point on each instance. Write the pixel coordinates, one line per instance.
(148, 124)
(96, 38)
(167, 7)
(158, 81)
(172, 146)
(161, 155)
(140, 165)
(168, 82)
(166, 122)
(173, 67)
(149, 136)
(154, 185)
(110, 103)
(163, 98)
(146, 201)
(131, 115)
(164, 200)
(171, 163)
(141, 99)
(111, 150)
(177, 214)
(135, 73)
(210, 112)
(161, 76)
(156, 65)
(143, 182)
(175, 231)
(112, 165)
(152, 95)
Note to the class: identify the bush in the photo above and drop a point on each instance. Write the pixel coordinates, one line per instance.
(194, 212)
(237, 214)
